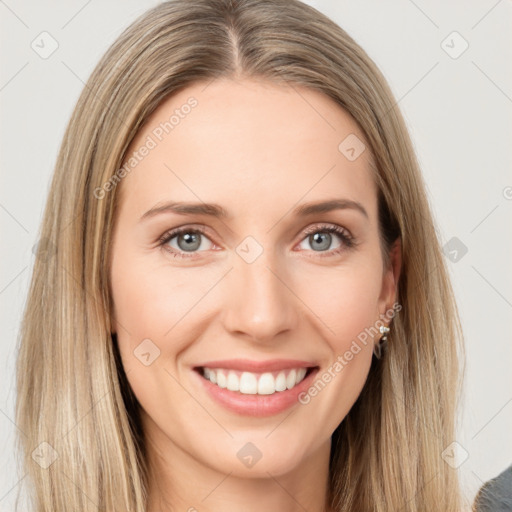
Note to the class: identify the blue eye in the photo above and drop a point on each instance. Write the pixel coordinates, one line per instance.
(321, 237)
(190, 240)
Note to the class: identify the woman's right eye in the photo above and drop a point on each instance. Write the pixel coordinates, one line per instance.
(188, 240)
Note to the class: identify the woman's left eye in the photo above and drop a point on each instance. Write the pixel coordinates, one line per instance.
(185, 240)
(321, 237)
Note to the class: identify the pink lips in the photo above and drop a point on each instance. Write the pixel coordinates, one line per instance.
(256, 405)
(257, 366)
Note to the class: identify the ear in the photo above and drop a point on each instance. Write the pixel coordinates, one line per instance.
(389, 291)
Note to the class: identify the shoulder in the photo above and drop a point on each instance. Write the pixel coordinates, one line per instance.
(496, 494)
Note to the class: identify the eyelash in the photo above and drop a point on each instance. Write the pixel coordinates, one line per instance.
(347, 240)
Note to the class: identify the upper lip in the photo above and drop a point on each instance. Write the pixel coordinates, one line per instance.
(270, 365)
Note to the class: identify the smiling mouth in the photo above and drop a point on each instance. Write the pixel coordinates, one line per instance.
(252, 383)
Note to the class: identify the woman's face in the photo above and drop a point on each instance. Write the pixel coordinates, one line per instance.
(258, 291)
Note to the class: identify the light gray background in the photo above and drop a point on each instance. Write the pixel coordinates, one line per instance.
(459, 114)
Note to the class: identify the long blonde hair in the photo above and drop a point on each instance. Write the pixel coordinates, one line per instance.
(72, 392)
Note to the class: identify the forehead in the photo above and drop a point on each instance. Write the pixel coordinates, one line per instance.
(239, 143)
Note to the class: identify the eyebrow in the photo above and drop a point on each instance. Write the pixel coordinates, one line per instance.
(217, 211)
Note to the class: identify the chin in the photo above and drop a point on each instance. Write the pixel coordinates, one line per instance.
(258, 457)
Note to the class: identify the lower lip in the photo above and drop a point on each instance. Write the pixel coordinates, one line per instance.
(257, 405)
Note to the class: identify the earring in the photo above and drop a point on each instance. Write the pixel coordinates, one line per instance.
(378, 347)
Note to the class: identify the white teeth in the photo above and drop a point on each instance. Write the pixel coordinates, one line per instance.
(290, 380)
(281, 382)
(266, 384)
(250, 383)
(301, 372)
(222, 381)
(233, 382)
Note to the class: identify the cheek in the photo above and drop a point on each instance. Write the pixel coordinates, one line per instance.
(346, 304)
(153, 301)
(148, 297)
(150, 302)
(345, 300)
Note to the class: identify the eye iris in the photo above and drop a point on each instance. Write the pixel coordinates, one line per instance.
(319, 237)
(192, 241)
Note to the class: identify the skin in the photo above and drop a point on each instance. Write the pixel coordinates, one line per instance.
(259, 150)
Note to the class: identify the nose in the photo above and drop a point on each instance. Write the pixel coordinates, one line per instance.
(260, 303)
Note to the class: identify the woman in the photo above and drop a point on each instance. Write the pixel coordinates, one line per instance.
(247, 307)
